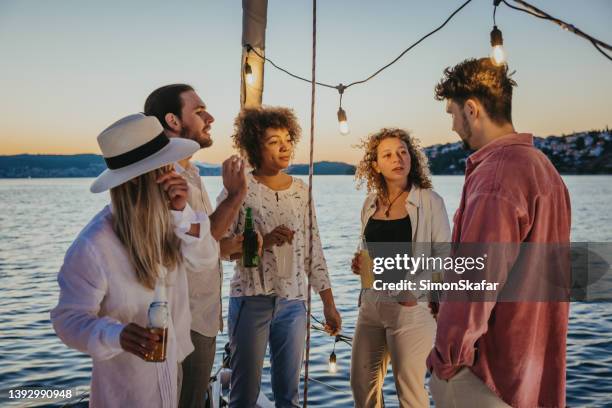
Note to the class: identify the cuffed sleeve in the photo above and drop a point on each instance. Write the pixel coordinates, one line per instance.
(183, 220)
(201, 252)
(83, 286)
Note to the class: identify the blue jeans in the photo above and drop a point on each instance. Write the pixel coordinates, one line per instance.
(253, 322)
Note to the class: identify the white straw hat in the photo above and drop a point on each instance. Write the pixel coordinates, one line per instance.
(136, 145)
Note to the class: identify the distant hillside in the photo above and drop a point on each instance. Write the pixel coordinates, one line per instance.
(578, 153)
(44, 165)
(90, 165)
(320, 168)
(323, 168)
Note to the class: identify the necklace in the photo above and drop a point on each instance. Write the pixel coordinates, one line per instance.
(391, 203)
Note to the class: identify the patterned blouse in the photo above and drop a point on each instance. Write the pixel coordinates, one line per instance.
(270, 209)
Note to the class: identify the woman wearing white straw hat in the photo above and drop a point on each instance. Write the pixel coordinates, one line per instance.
(133, 248)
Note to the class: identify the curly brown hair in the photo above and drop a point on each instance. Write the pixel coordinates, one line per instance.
(419, 168)
(250, 127)
(482, 80)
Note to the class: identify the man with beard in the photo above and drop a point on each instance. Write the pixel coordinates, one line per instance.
(183, 114)
(500, 353)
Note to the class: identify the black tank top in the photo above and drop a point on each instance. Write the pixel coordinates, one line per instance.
(388, 230)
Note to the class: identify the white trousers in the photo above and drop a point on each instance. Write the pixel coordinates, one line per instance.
(387, 331)
(463, 390)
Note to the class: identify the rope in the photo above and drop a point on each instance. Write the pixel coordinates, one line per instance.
(310, 173)
(536, 12)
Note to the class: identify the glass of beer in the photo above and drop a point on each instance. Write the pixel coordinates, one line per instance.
(365, 266)
(158, 324)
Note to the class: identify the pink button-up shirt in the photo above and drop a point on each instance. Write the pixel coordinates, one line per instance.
(512, 193)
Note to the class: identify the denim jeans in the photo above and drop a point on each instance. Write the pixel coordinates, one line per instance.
(253, 322)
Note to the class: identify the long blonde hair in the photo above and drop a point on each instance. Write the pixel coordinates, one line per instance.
(142, 222)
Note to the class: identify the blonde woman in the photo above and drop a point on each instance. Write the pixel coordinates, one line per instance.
(134, 247)
(400, 207)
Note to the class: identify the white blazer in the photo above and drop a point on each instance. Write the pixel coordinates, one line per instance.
(429, 220)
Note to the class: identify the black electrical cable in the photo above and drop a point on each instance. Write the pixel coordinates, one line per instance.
(339, 87)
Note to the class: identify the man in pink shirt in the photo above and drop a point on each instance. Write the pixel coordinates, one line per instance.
(500, 353)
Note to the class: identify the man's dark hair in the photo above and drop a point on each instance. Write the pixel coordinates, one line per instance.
(482, 80)
(164, 100)
(250, 127)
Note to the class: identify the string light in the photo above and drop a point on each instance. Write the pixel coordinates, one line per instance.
(342, 119)
(342, 122)
(498, 53)
(333, 366)
(248, 71)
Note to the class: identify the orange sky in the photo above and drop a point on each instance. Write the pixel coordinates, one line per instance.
(75, 68)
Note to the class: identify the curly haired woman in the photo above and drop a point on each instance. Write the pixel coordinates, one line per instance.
(401, 207)
(267, 302)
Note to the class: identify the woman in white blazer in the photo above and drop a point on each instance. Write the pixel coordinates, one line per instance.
(401, 207)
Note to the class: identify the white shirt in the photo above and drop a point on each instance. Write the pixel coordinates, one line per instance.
(271, 208)
(99, 295)
(204, 282)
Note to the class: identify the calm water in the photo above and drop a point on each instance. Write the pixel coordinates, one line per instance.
(40, 218)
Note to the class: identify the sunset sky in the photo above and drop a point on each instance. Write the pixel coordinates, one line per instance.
(70, 68)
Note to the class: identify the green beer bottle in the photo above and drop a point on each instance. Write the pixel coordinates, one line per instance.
(250, 256)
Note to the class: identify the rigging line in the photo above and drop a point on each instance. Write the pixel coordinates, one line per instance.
(329, 386)
(566, 26)
(313, 89)
(524, 10)
(600, 50)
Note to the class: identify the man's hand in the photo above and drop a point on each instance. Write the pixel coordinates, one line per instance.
(234, 179)
(232, 247)
(356, 263)
(176, 188)
(278, 236)
(138, 340)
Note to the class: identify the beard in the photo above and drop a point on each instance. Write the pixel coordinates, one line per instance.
(187, 134)
(466, 133)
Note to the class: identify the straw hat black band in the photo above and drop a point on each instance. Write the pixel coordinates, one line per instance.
(141, 152)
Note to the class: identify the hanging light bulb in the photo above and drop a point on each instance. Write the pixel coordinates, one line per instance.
(498, 53)
(333, 367)
(342, 122)
(248, 73)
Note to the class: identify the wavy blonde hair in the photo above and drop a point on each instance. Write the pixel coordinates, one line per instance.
(419, 169)
(143, 224)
